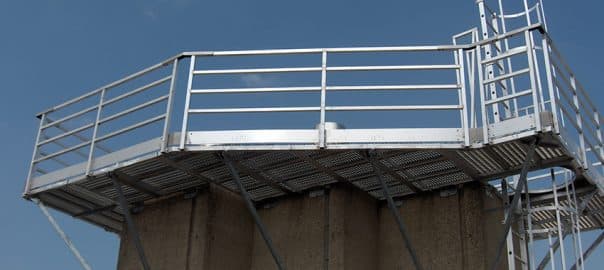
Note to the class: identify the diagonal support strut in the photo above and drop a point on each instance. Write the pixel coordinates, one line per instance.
(394, 211)
(61, 233)
(514, 204)
(129, 222)
(591, 249)
(252, 209)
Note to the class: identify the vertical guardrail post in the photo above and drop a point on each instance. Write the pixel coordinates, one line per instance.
(559, 224)
(483, 107)
(529, 52)
(185, 117)
(99, 110)
(166, 132)
(323, 96)
(550, 249)
(537, 72)
(462, 97)
(599, 134)
(577, 225)
(529, 229)
(32, 164)
(553, 101)
(579, 118)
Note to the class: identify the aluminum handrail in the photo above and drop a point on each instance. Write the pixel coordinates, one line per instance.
(170, 60)
(576, 90)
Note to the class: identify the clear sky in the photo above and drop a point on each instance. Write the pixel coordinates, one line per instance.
(54, 50)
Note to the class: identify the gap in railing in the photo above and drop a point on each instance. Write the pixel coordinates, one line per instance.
(257, 80)
(258, 61)
(61, 161)
(138, 82)
(130, 138)
(395, 58)
(396, 119)
(394, 98)
(256, 100)
(242, 121)
(395, 77)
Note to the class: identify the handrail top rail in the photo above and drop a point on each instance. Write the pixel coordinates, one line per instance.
(537, 26)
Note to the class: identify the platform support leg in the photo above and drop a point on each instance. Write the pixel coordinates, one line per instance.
(394, 211)
(590, 250)
(252, 209)
(132, 231)
(514, 203)
(61, 233)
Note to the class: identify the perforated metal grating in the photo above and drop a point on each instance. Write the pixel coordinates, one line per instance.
(270, 174)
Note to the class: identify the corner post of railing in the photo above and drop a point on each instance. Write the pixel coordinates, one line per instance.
(550, 84)
(95, 129)
(185, 117)
(483, 107)
(579, 118)
(323, 96)
(532, 74)
(462, 97)
(166, 131)
(32, 164)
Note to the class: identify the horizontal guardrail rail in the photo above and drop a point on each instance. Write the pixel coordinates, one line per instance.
(86, 138)
(573, 105)
(482, 72)
(456, 57)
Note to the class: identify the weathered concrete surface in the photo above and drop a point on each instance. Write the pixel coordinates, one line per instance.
(164, 233)
(296, 226)
(336, 230)
(221, 234)
(343, 228)
(456, 231)
(353, 229)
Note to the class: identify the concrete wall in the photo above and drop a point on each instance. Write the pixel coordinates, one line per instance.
(455, 231)
(343, 228)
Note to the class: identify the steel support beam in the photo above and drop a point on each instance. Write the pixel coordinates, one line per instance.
(591, 249)
(515, 200)
(135, 183)
(132, 231)
(61, 233)
(252, 209)
(394, 210)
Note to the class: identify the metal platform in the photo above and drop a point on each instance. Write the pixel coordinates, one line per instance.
(481, 137)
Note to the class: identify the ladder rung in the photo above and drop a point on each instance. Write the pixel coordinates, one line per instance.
(508, 97)
(508, 53)
(506, 76)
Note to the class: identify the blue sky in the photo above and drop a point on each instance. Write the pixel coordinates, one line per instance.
(54, 50)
